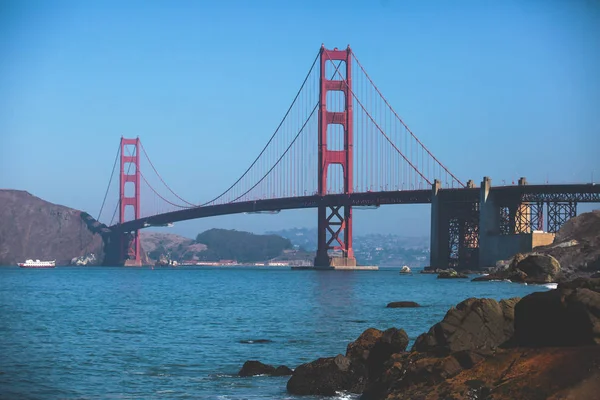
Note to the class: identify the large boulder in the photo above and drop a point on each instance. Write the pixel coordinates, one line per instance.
(364, 357)
(360, 348)
(532, 268)
(566, 316)
(326, 376)
(539, 268)
(475, 324)
(392, 341)
(253, 367)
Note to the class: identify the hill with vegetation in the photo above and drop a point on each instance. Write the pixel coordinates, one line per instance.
(223, 244)
(215, 245)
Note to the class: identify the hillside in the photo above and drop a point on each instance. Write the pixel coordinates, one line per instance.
(167, 244)
(33, 228)
(215, 245)
(241, 246)
(369, 249)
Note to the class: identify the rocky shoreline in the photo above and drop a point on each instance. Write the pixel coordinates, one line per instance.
(545, 345)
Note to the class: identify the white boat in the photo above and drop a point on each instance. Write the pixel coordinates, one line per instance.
(37, 264)
(405, 270)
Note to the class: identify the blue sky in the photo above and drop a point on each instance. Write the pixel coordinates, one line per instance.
(503, 89)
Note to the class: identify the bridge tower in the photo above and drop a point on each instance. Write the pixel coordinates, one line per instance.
(334, 224)
(130, 173)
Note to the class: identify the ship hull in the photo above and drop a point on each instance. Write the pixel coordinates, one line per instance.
(37, 266)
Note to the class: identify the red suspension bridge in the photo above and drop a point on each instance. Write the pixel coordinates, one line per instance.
(339, 145)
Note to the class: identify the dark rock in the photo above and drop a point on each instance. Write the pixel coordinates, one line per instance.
(253, 367)
(595, 275)
(468, 359)
(365, 357)
(326, 376)
(360, 348)
(475, 324)
(538, 268)
(450, 274)
(517, 276)
(484, 278)
(567, 316)
(583, 283)
(543, 373)
(407, 370)
(282, 370)
(392, 341)
(403, 304)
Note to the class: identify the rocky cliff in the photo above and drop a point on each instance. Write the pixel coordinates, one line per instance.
(33, 228)
(577, 246)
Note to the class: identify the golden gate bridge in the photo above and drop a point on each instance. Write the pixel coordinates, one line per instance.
(340, 145)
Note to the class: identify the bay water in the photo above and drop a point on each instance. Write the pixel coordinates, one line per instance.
(166, 333)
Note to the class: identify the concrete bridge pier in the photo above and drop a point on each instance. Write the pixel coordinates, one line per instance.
(454, 229)
(438, 256)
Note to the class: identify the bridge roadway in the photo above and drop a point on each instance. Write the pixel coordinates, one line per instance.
(580, 193)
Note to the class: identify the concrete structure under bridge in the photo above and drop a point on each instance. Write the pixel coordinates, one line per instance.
(474, 227)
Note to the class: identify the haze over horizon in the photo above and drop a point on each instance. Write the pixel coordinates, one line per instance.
(503, 90)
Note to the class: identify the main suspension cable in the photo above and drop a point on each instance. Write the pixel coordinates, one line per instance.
(109, 182)
(272, 136)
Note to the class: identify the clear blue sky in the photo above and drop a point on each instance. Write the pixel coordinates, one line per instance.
(499, 88)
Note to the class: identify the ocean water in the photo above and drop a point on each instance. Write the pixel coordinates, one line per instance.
(127, 333)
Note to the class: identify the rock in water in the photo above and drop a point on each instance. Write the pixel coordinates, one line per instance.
(360, 348)
(539, 268)
(450, 274)
(326, 376)
(365, 357)
(475, 324)
(282, 370)
(566, 316)
(392, 341)
(402, 304)
(253, 367)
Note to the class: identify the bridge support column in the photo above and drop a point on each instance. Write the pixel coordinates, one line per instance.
(438, 247)
(335, 224)
(129, 198)
(489, 224)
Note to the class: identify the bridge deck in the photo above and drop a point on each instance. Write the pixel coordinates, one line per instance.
(543, 193)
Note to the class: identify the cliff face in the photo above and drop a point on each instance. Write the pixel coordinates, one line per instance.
(33, 228)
